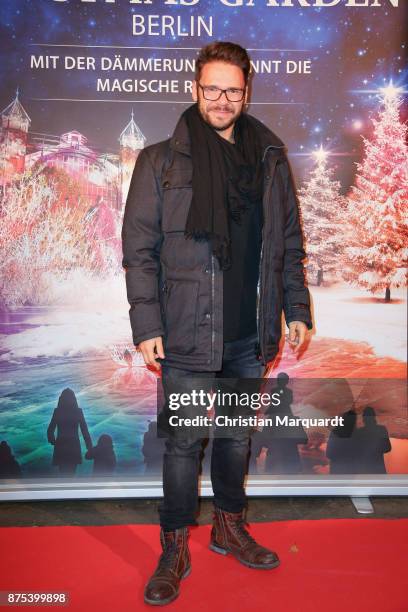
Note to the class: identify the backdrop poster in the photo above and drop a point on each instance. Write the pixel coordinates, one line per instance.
(86, 85)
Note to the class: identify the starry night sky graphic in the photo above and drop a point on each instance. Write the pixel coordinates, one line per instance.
(351, 49)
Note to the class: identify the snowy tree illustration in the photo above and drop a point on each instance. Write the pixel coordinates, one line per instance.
(322, 208)
(40, 242)
(377, 214)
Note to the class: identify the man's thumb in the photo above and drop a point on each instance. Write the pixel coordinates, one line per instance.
(159, 348)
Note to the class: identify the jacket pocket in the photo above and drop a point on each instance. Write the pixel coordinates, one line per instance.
(176, 205)
(181, 314)
(177, 178)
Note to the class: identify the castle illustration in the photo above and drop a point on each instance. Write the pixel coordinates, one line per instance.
(101, 177)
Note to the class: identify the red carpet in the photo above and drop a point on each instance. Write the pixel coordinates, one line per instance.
(334, 565)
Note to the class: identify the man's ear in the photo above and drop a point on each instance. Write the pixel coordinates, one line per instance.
(248, 89)
(246, 94)
(194, 91)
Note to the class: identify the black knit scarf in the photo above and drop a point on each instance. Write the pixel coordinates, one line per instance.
(227, 180)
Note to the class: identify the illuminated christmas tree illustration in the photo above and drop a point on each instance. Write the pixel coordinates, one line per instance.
(377, 245)
(322, 208)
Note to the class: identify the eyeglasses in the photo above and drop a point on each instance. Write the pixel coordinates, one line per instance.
(210, 92)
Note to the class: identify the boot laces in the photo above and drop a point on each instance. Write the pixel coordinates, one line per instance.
(241, 532)
(168, 557)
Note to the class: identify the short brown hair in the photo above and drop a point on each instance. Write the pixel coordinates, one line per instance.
(228, 52)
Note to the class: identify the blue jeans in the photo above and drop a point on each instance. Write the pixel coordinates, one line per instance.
(229, 459)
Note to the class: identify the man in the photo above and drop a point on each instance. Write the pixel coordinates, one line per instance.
(212, 212)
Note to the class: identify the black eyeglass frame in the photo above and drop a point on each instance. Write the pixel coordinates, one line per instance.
(221, 92)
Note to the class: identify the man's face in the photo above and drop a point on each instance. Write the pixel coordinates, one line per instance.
(220, 114)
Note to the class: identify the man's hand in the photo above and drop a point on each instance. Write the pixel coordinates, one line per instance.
(151, 349)
(297, 334)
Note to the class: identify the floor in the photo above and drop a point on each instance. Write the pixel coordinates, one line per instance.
(125, 511)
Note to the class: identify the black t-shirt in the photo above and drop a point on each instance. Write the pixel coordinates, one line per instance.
(241, 280)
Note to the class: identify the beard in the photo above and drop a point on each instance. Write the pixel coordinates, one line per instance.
(221, 123)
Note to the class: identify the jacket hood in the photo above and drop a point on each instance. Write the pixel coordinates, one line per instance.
(180, 140)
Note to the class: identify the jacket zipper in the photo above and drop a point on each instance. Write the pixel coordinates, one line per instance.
(213, 306)
(165, 298)
(259, 295)
(260, 317)
(261, 322)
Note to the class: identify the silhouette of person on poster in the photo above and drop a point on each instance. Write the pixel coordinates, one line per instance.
(103, 456)
(372, 442)
(342, 446)
(283, 453)
(66, 418)
(153, 449)
(9, 466)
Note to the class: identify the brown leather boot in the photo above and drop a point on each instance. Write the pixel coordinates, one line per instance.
(229, 535)
(174, 564)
